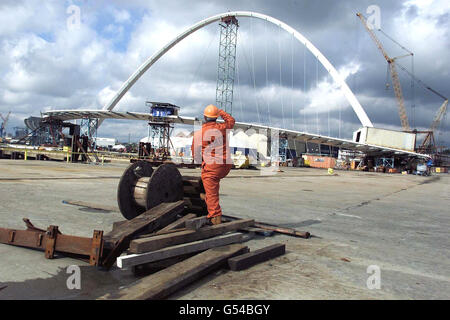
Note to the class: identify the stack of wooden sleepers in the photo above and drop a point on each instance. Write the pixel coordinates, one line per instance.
(173, 249)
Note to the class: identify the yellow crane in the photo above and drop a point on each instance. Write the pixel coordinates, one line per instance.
(428, 144)
(395, 79)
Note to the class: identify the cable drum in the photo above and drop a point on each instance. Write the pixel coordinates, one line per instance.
(142, 188)
(165, 185)
(127, 205)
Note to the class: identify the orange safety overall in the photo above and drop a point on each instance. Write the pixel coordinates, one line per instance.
(216, 159)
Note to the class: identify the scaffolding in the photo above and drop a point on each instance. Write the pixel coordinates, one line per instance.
(283, 145)
(160, 129)
(227, 63)
(89, 127)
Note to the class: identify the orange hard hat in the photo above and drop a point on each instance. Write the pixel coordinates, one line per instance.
(211, 111)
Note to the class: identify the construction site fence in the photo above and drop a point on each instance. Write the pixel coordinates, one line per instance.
(67, 154)
(101, 155)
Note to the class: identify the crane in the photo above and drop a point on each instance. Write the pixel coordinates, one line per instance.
(395, 79)
(428, 143)
(3, 125)
(440, 114)
(429, 138)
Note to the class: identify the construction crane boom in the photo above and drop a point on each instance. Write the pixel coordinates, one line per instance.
(439, 115)
(4, 123)
(395, 79)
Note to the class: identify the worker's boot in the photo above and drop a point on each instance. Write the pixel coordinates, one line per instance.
(216, 220)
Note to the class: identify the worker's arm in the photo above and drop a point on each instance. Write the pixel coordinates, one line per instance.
(229, 120)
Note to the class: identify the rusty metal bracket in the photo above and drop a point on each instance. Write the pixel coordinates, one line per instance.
(52, 241)
(30, 226)
(50, 244)
(97, 248)
(39, 237)
(12, 234)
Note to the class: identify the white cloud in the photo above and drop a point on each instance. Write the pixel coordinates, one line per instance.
(425, 33)
(121, 16)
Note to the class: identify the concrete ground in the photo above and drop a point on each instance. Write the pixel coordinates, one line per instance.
(397, 223)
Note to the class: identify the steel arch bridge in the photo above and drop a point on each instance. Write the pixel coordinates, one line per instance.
(361, 114)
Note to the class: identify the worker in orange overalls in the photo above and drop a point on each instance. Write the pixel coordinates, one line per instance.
(211, 140)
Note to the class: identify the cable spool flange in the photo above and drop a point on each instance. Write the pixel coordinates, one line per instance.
(125, 191)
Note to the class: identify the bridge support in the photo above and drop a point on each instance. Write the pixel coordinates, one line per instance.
(227, 63)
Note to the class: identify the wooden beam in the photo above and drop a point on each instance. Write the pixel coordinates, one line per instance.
(180, 223)
(249, 259)
(196, 223)
(270, 227)
(151, 220)
(152, 267)
(147, 235)
(165, 282)
(166, 240)
(181, 249)
(175, 226)
(158, 217)
(117, 224)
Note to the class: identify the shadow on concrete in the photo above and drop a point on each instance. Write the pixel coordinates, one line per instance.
(94, 284)
(91, 210)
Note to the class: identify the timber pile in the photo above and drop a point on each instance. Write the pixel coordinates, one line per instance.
(192, 195)
(171, 245)
(172, 249)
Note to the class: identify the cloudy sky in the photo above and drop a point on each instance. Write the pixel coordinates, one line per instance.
(50, 61)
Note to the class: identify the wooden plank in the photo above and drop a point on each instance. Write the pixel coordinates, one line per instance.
(199, 210)
(151, 220)
(165, 240)
(194, 201)
(165, 282)
(190, 190)
(158, 217)
(152, 267)
(195, 182)
(270, 227)
(258, 231)
(117, 224)
(175, 226)
(249, 259)
(177, 223)
(196, 223)
(147, 235)
(181, 249)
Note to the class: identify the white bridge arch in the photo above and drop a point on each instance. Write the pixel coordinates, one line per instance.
(361, 114)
